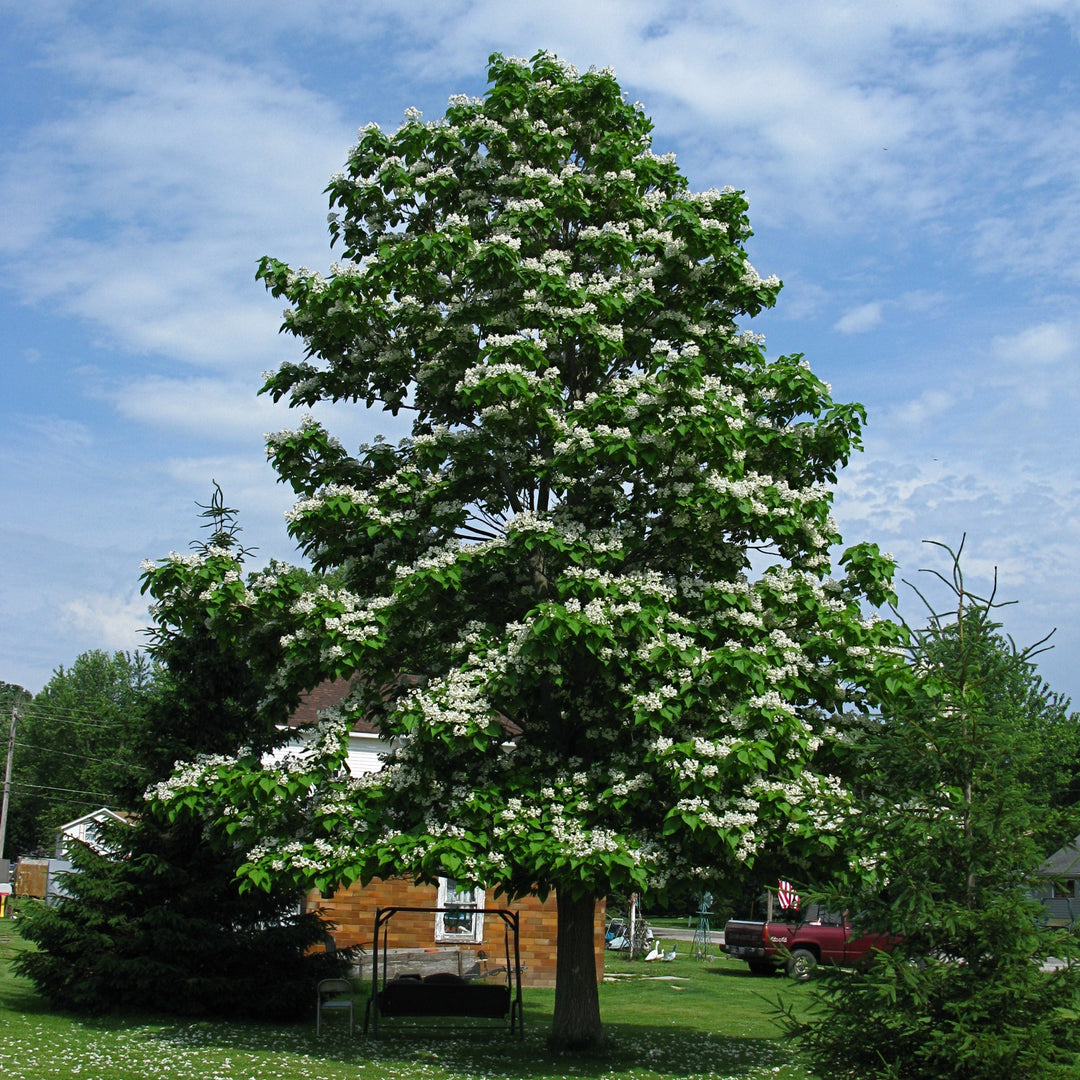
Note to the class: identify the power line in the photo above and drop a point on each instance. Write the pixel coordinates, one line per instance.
(70, 800)
(72, 791)
(75, 717)
(123, 765)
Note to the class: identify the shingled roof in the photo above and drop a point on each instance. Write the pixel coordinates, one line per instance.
(325, 696)
(1064, 863)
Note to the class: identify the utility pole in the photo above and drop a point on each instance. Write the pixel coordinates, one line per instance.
(7, 779)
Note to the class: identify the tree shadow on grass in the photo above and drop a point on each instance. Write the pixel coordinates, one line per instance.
(21, 997)
(630, 1049)
(745, 974)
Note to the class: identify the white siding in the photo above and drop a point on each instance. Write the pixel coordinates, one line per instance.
(364, 751)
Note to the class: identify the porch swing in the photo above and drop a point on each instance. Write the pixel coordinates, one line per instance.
(467, 995)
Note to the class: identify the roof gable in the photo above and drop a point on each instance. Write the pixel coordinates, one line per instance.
(1063, 863)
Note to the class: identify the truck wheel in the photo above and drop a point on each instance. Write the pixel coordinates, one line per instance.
(761, 967)
(801, 964)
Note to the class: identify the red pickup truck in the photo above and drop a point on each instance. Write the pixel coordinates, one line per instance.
(800, 947)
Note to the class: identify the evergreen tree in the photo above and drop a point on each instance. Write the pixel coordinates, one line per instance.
(956, 821)
(154, 918)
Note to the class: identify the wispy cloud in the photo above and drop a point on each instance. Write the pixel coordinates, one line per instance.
(144, 208)
(859, 319)
(202, 407)
(929, 405)
(117, 621)
(1038, 346)
(1038, 366)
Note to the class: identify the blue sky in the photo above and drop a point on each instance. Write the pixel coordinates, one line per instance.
(913, 171)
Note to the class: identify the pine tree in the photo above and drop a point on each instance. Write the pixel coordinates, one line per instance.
(154, 918)
(955, 824)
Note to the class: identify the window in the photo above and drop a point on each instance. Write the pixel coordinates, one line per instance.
(463, 922)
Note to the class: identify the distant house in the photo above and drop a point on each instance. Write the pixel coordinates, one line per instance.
(352, 910)
(87, 830)
(42, 878)
(1061, 893)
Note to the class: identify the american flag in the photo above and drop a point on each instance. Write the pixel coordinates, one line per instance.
(787, 896)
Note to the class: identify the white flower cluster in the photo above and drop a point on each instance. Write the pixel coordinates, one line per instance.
(270, 577)
(769, 496)
(187, 777)
(190, 559)
(622, 785)
(735, 818)
(456, 703)
(481, 373)
(339, 614)
(636, 584)
(302, 508)
(437, 558)
(751, 278)
(772, 702)
(654, 700)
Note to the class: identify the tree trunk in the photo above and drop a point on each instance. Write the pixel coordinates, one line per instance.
(577, 1002)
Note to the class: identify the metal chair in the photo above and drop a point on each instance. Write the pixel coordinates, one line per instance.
(328, 992)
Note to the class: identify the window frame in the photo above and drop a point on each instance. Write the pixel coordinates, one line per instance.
(450, 896)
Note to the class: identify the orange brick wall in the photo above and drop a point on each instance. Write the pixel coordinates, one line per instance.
(352, 913)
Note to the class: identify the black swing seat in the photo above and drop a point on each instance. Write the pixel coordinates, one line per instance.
(443, 994)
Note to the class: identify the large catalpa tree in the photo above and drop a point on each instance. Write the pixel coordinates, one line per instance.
(589, 597)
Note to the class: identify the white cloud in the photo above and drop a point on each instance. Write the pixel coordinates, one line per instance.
(801, 298)
(115, 621)
(145, 207)
(57, 433)
(1028, 529)
(859, 319)
(206, 408)
(922, 301)
(929, 405)
(246, 482)
(1038, 346)
(1037, 369)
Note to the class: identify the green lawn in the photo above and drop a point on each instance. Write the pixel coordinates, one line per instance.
(678, 922)
(678, 1020)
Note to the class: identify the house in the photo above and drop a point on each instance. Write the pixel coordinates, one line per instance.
(42, 878)
(1061, 893)
(87, 830)
(468, 933)
(366, 745)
